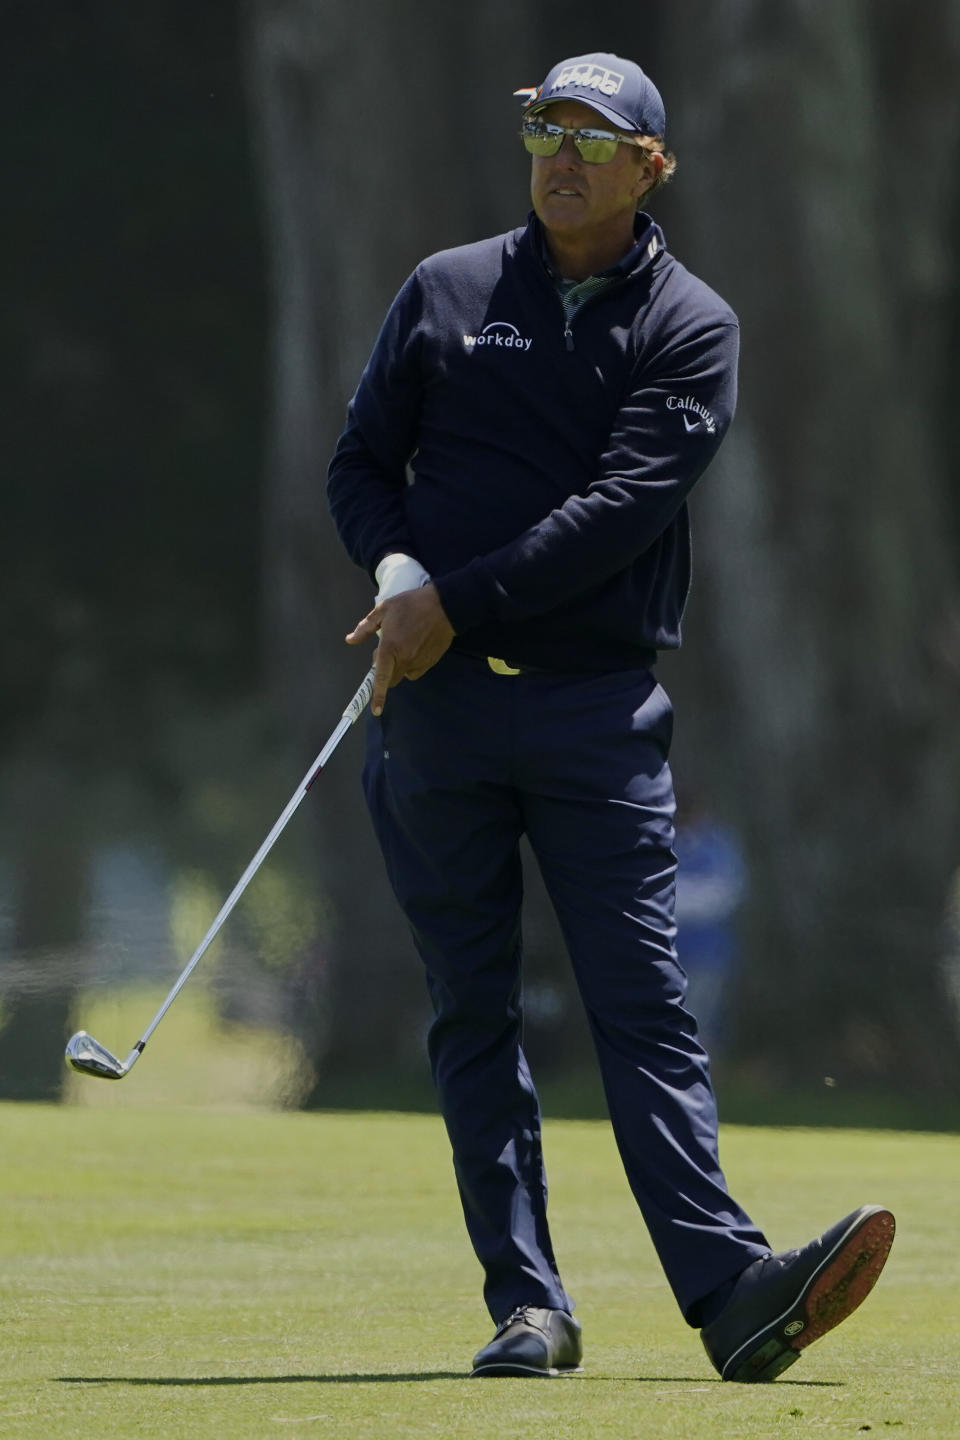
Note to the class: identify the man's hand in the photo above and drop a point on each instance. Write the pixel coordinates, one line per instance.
(414, 633)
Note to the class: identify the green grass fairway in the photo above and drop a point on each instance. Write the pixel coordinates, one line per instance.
(184, 1273)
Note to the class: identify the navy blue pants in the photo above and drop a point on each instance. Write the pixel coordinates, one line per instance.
(461, 764)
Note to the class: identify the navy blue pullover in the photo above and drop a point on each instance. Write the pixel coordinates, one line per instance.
(540, 471)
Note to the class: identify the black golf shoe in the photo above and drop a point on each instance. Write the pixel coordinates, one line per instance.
(782, 1303)
(532, 1341)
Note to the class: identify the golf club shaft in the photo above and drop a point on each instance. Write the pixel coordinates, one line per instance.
(352, 713)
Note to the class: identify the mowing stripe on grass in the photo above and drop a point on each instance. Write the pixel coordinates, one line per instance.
(195, 1273)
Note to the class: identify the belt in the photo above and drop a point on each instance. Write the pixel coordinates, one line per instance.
(645, 660)
(498, 666)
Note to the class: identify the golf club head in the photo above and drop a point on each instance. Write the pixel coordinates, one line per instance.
(91, 1058)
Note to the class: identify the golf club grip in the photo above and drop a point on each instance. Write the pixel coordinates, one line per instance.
(349, 717)
(361, 700)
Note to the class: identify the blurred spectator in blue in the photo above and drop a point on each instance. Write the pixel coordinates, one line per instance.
(711, 883)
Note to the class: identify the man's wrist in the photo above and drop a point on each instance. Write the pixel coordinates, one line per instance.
(396, 573)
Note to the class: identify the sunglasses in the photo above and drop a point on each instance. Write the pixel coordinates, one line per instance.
(596, 147)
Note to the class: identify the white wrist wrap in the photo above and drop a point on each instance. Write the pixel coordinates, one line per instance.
(398, 572)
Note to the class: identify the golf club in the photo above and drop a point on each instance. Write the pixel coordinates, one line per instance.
(88, 1055)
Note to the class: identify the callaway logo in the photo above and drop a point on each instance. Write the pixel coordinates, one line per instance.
(589, 77)
(498, 332)
(688, 404)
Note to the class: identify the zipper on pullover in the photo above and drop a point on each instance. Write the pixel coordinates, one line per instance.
(595, 285)
(570, 312)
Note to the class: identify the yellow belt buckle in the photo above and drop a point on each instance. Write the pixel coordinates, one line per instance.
(500, 667)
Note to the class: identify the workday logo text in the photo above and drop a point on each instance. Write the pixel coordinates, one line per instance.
(499, 333)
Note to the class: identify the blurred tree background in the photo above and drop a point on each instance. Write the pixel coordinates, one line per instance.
(209, 210)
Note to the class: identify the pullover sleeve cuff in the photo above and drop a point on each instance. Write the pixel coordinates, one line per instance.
(468, 596)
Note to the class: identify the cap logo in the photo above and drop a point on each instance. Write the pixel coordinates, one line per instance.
(589, 77)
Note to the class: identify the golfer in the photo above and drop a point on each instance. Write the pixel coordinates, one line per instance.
(514, 476)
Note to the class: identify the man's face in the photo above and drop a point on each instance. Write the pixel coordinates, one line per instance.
(573, 198)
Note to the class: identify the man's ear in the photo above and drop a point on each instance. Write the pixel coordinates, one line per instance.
(651, 158)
